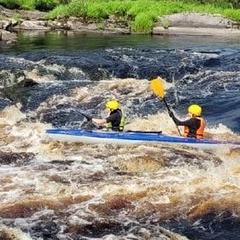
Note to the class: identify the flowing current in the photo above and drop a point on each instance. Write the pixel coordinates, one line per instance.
(65, 191)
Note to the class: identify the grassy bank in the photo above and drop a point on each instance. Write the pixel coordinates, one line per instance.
(139, 15)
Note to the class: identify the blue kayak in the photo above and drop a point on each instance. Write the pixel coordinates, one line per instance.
(131, 138)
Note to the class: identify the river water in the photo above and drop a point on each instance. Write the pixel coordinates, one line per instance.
(66, 191)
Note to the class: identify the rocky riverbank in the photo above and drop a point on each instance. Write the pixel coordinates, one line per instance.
(182, 23)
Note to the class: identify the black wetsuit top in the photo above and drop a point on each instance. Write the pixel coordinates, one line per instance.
(115, 119)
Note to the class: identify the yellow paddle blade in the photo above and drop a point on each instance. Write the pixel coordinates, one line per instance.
(157, 87)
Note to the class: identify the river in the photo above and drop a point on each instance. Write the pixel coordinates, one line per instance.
(73, 191)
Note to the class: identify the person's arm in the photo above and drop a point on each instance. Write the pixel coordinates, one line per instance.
(99, 121)
(178, 122)
(113, 117)
(102, 121)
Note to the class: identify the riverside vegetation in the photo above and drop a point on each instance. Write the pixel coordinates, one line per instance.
(138, 15)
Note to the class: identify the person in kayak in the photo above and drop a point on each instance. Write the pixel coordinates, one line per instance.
(195, 125)
(115, 120)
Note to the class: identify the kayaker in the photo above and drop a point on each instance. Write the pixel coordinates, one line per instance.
(115, 120)
(195, 125)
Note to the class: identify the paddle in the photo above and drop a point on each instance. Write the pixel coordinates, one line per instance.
(88, 117)
(158, 89)
(148, 132)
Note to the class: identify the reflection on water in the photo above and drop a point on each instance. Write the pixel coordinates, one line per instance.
(29, 41)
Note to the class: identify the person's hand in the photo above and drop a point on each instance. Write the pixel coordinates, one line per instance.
(98, 122)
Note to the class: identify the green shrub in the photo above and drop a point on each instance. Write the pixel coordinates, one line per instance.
(77, 8)
(64, 2)
(11, 4)
(45, 5)
(59, 11)
(119, 8)
(97, 11)
(138, 8)
(232, 14)
(18, 4)
(27, 4)
(143, 23)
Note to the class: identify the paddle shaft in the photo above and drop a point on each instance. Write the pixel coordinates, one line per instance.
(151, 132)
(165, 102)
(88, 117)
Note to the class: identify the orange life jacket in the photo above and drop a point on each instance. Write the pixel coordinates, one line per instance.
(200, 130)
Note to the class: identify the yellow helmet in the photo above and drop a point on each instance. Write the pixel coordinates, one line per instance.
(113, 104)
(195, 110)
